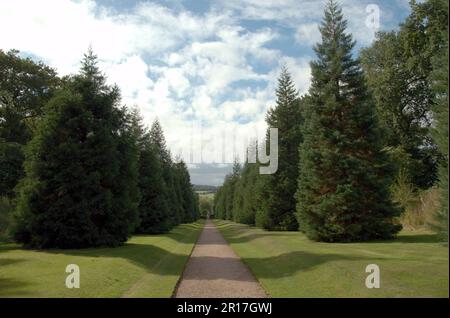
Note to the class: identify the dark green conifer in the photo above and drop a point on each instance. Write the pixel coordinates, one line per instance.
(79, 169)
(344, 179)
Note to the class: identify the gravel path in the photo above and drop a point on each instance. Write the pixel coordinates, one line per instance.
(214, 270)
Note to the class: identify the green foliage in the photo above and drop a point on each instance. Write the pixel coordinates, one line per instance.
(439, 84)
(418, 205)
(79, 188)
(170, 184)
(29, 85)
(239, 198)
(344, 177)
(226, 204)
(126, 188)
(403, 191)
(153, 207)
(219, 202)
(25, 86)
(188, 198)
(206, 205)
(246, 194)
(278, 203)
(167, 196)
(11, 171)
(6, 218)
(398, 66)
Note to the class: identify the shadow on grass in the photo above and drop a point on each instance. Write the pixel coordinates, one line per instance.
(283, 265)
(141, 252)
(9, 261)
(416, 238)
(4, 247)
(150, 258)
(287, 264)
(410, 238)
(240, 234)
(10, 286)
(242, 238)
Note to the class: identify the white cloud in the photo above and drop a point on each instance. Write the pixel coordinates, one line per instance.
(308, 34)
(129, 74)
(177, 65)
(301, 15)
(300, 72)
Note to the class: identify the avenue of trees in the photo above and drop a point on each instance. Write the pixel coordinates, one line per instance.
(370, 127)
(78, 169)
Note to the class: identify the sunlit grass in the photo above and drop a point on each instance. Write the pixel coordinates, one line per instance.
(289, 265)
(146, 266)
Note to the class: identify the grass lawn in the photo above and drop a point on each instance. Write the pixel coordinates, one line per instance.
(289, 265)
(146, 266)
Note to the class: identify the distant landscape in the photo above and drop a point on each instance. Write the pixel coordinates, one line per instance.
(205, 188)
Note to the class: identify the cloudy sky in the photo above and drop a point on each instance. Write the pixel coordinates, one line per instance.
(206, 69)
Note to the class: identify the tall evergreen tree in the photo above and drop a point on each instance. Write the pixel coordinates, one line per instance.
(247, 192)
(153, 209)
(230, 190)
(278, 204)
(126, 188)
(238, 199)
(170, 187)
(247, 199)
(219, 201)
(344, 177)
(188, 199)
(76, 192)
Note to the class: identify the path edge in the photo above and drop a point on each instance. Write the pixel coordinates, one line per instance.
(175, 289)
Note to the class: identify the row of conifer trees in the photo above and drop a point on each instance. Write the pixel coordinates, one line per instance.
(94, 174)
(341, 145)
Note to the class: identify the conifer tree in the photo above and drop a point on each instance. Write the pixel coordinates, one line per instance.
(153, 209)
(219, 201)
(77, 189)
(278, 204)
(344, 175)
(246, 193)
(188, 199)
(172, 199)
(126, 187)
(233, 179)
(238, 200)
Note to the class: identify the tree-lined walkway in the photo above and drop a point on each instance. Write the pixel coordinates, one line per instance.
(214, 270)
